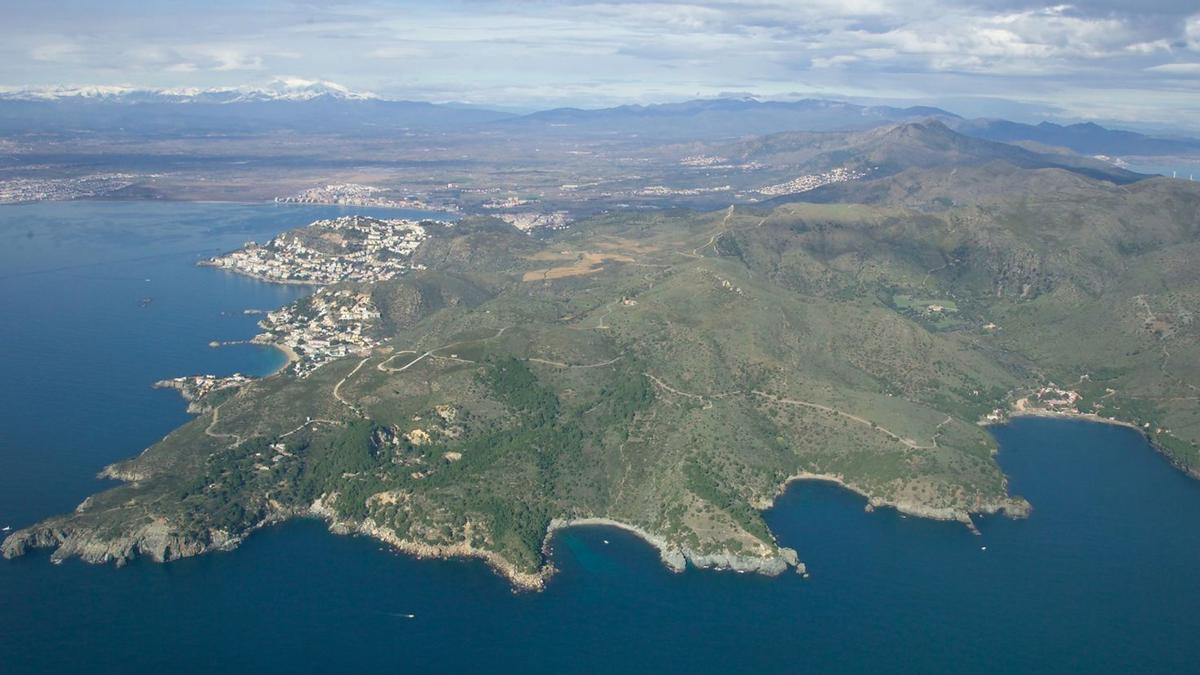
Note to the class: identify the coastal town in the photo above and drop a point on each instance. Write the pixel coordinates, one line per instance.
(349, 248)
(328, 325)
(1053, 400)
(21, 190)
(354, 194)
(664, 191)
(1049, 399)
(335, 321)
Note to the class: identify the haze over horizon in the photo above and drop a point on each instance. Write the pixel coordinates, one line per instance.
(1096, 60)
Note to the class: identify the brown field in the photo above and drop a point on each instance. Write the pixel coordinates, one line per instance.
(625, 246)
(580, 264)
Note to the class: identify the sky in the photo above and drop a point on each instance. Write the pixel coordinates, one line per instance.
(1134, 61)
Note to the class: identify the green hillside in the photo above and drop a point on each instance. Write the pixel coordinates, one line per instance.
(672, 371)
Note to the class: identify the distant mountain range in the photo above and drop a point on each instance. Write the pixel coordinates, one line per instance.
(296, 105)
(927, 144)
(280, 89)
(724, 118)
(307, 105)
(1087, 138)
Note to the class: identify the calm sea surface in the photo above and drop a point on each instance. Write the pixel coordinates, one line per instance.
(99, 300)
(1183, 168)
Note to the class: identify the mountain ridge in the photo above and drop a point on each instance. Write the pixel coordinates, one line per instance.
(278, 89)
(289, 103)
(1083, 137)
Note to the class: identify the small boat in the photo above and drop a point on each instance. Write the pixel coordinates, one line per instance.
(6, 528)
(605, 541)
(982, 548)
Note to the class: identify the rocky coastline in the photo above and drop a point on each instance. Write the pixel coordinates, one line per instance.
(1013, 507)
(161, 542)
(156, 540)
(196, 390)
(676, 558)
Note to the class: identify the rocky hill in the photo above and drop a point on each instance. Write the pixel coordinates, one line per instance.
(891, 149)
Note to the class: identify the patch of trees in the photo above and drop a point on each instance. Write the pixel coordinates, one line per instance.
(222, 497)
(705, 486)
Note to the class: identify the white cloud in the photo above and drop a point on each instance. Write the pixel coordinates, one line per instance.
(1033, 41)
(57, 52)
(191, 58)
(1176, 68)
(232, 59)
(835, 60)
(397, 52)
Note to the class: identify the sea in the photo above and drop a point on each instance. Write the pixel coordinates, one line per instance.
(1182, 168)
(100, 299)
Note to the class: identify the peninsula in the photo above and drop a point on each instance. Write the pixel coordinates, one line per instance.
(465, 389)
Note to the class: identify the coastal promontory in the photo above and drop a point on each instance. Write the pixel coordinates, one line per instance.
(668, 373)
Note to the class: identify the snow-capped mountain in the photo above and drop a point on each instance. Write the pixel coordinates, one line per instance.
(282, 104)
(280, 89)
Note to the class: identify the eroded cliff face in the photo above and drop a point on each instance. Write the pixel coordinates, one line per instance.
(158, 541)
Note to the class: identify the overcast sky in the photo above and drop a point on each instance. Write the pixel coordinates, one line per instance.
(1104, 59)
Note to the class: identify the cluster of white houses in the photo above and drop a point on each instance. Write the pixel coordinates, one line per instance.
(332, 323)
(335, 321)
(812, 182)
(350, 248)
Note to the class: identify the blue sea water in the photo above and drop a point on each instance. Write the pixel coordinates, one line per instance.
(1183, 168)
(1102, 576)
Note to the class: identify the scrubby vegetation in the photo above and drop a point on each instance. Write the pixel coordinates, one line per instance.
(706, 360)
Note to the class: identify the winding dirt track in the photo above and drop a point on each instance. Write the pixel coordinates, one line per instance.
(432, 353)
(708, 403)
(559, 364)
(853, 418)
(713, 239)
(337, 387)
(312, 421)
(216, 417)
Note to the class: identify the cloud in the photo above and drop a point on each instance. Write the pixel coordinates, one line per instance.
(232, 59)
(57, 52)
(1045, 40)
(1176, 68)
(397, 52)
(181, 58)
(590, 52)
(835, 61)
